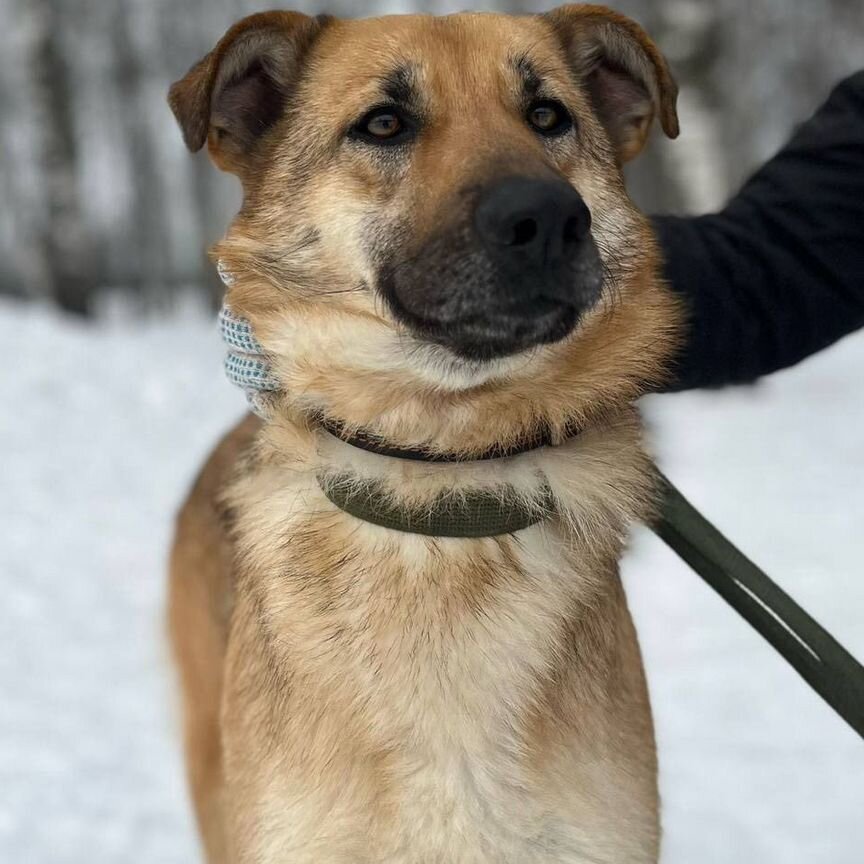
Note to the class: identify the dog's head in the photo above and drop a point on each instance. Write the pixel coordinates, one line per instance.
(434, 206)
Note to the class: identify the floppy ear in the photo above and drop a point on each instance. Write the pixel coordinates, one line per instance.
(625, 74)
(231, 97)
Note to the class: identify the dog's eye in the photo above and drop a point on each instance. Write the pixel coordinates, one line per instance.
(382, 126)
(549, 117)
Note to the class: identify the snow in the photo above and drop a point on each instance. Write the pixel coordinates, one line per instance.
(102, 429)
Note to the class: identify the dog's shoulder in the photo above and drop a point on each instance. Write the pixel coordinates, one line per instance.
(202, 553)
(205, 500)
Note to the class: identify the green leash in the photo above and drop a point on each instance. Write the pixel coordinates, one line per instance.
(820, 660)
(817, 657)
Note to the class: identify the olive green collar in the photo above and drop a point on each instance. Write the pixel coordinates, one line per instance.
(482, 513)
(472, 514)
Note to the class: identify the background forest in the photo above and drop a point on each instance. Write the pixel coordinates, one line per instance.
(98, 193)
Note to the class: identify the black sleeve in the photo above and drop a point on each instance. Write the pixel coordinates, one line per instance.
(779, 273)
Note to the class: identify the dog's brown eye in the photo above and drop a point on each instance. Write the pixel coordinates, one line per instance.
(549, 117)
(385, 124)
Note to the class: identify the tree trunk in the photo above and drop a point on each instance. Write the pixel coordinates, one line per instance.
(66, 247)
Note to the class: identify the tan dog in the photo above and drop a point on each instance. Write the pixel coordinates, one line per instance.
(435, 247)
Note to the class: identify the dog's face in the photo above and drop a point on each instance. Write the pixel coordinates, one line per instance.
(447, 189)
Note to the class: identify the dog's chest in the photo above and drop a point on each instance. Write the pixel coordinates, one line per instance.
(434, 807)
(411, 732)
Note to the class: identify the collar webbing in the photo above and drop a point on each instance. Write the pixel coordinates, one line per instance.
(465, 514)
(471, 514)
(372, 443)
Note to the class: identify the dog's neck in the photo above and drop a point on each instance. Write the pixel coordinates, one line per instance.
(478, 514)
(249, 367)
(371, 430)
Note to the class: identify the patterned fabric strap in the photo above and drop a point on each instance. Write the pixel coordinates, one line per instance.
(246, 363)
(237, 332)
(249, 372)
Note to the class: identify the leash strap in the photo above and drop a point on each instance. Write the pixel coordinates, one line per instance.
(817, 657)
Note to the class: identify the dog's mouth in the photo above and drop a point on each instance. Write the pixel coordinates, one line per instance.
(493, 334)
(481, 312)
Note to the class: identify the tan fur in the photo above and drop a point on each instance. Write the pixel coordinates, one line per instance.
(354, 694)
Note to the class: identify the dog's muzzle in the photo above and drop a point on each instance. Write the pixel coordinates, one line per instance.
(516, 270)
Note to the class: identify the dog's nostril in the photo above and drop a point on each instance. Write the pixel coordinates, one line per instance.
(526, 218)
(524, 232)
(573, 230)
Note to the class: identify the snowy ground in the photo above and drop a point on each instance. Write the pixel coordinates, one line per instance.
(100, 432)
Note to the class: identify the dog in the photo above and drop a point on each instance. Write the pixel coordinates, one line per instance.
(437, 252)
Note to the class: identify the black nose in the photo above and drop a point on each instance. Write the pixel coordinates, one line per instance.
(542, 220)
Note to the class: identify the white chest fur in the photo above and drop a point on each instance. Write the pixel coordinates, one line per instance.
(441, 700)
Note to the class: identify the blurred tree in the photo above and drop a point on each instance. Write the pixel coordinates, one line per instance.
(99, 195)
(64, 239)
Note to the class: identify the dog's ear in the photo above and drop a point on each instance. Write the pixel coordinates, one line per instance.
(233, 95)
(625, 74)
